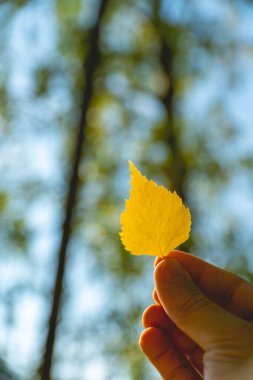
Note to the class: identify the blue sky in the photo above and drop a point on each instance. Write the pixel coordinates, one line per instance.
(36, 146)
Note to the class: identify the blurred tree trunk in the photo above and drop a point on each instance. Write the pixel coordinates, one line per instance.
(176, 166)
(92, 61)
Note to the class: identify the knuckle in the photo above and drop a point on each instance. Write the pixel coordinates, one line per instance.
(192, 305)
(244, 338)
(178, 372)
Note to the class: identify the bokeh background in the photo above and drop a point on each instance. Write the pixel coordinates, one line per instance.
(85, 86)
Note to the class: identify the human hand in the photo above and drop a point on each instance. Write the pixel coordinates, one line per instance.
(201, 326)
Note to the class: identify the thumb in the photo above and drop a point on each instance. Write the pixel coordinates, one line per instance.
(195, 314)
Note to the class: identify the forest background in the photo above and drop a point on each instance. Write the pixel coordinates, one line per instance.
(84, 86)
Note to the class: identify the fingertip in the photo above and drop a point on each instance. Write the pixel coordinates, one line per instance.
(147, 316)
(164, 356)
(155, 297)
(157, 261)
(153, 342)
(154, 316)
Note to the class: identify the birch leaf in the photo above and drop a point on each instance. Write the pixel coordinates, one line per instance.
(155, 221)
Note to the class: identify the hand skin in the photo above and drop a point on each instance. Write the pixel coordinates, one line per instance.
(201, 326)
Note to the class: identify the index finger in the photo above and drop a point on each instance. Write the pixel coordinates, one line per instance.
(223, 287)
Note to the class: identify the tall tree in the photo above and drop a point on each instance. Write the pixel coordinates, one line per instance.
(91, 63)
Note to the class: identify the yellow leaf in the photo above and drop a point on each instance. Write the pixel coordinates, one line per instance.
(155, 220)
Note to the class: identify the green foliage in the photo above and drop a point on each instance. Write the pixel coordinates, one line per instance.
(42, 78)
(164, 93)
(69, 10)
(4, 198)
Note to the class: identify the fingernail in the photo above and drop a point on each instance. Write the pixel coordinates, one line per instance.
(157, 261)
(168, 268)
